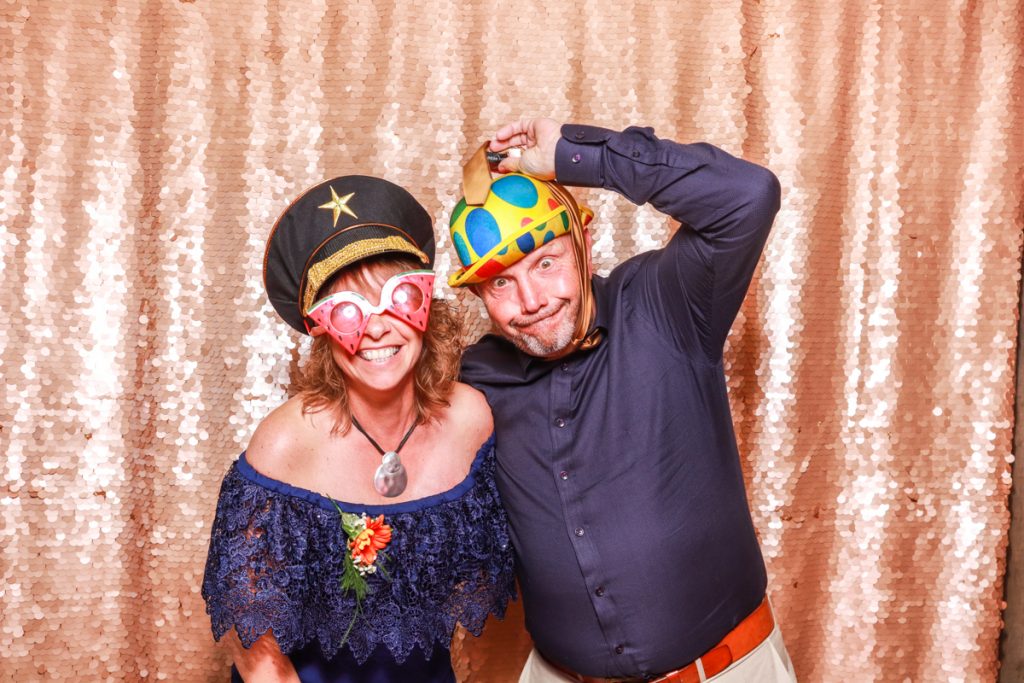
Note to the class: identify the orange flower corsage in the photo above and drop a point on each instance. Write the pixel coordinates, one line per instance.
(367, 539)
(374, 537)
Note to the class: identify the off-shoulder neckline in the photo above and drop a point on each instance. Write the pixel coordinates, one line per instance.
(249, 473)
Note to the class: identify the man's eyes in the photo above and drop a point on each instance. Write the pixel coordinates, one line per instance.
(497, 283)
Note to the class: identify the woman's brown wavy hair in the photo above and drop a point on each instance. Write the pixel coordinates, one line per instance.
(321, 383)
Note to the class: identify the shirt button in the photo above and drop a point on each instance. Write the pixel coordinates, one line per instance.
(636, 154)
(564, 475)
(579, 135)
(600, 591)
(560, 422)
(619, 649)
(576, 158)
(579, 531)
(565, 367)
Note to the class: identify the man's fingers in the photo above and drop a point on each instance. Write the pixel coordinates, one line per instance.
(508, 130)
(536, 138)
(514, 140)
(509, 164)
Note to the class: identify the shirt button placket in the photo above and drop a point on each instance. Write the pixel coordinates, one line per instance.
(562, 428)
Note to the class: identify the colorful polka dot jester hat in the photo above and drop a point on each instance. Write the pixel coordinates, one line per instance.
(520, 214)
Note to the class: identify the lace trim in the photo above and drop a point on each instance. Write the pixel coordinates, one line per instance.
(275, 562)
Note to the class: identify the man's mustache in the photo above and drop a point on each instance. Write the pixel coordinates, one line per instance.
(527, 320)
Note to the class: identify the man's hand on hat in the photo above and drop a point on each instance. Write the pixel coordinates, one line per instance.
(537, 138)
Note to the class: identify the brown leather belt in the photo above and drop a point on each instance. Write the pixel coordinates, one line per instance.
(736, 644)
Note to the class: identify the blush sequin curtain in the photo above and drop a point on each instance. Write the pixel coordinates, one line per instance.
(148, 145)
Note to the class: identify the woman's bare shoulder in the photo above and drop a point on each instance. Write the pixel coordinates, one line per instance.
(283, 437)
(469, 414)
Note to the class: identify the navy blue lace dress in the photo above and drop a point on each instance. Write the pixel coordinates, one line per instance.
(276, 561)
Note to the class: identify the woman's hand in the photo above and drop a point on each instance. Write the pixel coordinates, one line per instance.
(537, 138)
(263, 662)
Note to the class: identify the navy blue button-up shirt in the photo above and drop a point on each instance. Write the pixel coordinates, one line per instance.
(618, 466)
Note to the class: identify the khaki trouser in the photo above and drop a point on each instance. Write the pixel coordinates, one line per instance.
(766, 663)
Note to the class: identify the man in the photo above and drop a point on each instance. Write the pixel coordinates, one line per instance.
(618, 467)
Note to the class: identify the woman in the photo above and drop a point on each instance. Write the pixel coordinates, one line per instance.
(362, 522)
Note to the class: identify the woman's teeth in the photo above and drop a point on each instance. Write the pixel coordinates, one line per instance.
(378, 354)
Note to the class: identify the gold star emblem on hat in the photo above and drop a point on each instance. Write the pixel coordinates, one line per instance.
(339, 204)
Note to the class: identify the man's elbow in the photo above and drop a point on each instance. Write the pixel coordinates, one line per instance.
(762, 196)
(765, 191)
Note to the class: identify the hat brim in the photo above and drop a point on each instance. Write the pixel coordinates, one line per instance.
(378, 239)
(490, 264)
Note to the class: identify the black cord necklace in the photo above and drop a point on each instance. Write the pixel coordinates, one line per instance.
(390, 478)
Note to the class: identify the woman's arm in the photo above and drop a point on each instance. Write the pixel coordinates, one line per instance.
(263, 662)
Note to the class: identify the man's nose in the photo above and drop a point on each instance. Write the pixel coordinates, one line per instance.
(531, 297)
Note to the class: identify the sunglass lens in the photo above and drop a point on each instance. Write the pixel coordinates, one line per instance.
(346, 317)
(407, 298)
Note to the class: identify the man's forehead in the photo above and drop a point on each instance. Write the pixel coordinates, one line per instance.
(555, 247)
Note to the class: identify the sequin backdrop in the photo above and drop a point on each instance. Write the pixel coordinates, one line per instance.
(148, 145)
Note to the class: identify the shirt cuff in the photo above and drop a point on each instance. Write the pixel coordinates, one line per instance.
(578, 155)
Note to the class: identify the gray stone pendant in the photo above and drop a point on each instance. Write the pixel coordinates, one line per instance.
(390, 478)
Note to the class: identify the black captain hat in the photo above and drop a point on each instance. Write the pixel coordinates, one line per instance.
(333, 225)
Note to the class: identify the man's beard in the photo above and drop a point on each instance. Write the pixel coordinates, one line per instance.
(557, 340)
